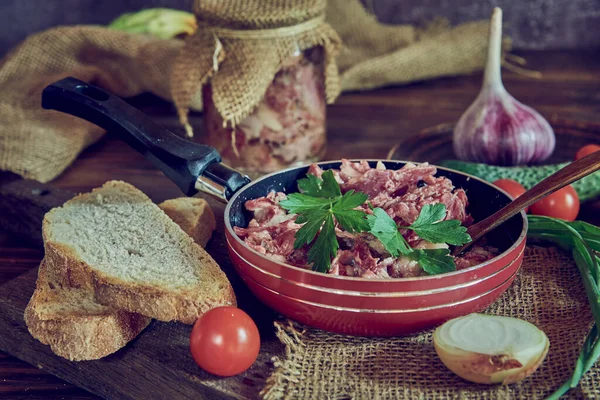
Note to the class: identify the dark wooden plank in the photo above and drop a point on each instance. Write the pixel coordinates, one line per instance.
(24, 202)
(23, 381)
(156, 365)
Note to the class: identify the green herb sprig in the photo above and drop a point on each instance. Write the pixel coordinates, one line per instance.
(430, 226)
(320, 204)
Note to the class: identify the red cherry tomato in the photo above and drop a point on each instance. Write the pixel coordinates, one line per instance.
(225, 341)
(512, 187)
(563, 204)
(586, 150)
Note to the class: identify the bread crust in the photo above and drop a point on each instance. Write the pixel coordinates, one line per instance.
(78, 336)
(162, 303)
(193, 215)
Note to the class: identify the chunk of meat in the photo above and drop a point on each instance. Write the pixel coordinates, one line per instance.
(267, 211)
(401, 267)
(475, 255)
(348, 241)
(406, 208)
(382, 183)
(355, 262)
(276, 241)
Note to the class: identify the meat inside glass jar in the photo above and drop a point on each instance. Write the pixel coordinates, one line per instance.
(401, 193)
(287, 126)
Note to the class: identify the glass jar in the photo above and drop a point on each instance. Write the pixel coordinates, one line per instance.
(287, 127)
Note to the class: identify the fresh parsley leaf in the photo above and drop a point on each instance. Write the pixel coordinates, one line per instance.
(326, 187)
(351, 220)
(311, 185)
(429, 226)
(430, 214)
(434, 261)
(319, 206)
(298, 203)
(309, 230)
(352, 199)
(384, 228)
(451, 232)
(325, 247)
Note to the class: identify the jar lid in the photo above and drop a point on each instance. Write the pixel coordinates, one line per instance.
(238, 48)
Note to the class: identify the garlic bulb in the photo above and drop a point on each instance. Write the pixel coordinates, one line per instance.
(497, 129)
(490, 349)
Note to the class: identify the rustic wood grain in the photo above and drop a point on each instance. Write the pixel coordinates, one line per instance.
(155, 365)
(18, 195)
(359, 125)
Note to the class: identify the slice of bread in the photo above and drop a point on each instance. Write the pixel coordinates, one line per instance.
(124, 248)
(74, 325)
(193, 215)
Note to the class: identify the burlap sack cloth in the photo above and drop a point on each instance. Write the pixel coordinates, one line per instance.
(40, 144)
(547, 292)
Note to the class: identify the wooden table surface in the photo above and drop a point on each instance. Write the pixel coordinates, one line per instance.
(360, 125)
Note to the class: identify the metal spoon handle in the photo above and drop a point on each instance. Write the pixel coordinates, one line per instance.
(567, 175)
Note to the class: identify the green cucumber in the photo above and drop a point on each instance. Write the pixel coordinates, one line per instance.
(587, 188)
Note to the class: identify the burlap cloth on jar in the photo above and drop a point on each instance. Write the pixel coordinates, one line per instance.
(40, 144)
(239, 46)
(548, 292)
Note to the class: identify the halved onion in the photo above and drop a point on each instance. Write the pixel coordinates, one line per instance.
(490, 349)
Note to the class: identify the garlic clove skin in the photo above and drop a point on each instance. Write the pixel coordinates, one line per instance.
(490, 349)
(497, 129)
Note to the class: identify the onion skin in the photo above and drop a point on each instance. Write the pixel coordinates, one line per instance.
(485, 368)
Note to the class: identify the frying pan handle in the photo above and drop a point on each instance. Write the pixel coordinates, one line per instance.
(192, 166)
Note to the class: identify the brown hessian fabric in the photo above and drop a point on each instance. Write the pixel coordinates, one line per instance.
(547, 292)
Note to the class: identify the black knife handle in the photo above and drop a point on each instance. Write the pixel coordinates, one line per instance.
(183, 161)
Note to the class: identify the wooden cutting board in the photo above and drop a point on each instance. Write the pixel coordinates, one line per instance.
(157, 364)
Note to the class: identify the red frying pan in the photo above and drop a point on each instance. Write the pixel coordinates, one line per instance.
(341, 304)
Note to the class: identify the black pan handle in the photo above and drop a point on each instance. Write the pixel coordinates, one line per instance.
(192, 166)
